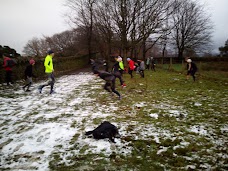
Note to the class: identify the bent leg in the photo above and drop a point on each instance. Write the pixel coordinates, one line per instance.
(193, 75)
(106, 86)
(114, 89)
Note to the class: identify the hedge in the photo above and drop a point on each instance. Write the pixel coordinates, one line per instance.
(61, 65)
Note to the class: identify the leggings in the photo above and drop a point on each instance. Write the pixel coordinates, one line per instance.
(118, 74)
(111, 84)
(130, 72)
(8, 77)
(51, 81)
(29, 83)
(141, 72)
(192, 73)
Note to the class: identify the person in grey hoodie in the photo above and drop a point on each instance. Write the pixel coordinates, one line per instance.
(141, 68)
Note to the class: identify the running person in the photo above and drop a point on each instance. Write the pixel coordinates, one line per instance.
(116, 71)
(49, 70)
(29, 75)
(108, 77)
(131, 65)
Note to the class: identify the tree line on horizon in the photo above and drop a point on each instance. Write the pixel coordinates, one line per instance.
(130, 28)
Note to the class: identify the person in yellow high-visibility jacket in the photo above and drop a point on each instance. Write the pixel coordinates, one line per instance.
(49, 70)
(121, 65)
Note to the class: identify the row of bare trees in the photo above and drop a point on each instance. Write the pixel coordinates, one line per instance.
(129, 28)
(64, 44)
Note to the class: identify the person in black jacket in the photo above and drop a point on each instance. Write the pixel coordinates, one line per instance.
(191, 69)
(29, 75)
(116, 72)
(110, 81)
(107, 76)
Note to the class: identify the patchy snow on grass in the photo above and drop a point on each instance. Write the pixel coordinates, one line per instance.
(154, 115)
(197, 104)
(163, 149)
(32, 124)
(199, 129)
(224, 128)
(35, 128)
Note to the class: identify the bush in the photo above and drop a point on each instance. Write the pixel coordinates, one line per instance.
(214, 66)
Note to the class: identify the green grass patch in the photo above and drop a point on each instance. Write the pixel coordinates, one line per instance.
(166, 123)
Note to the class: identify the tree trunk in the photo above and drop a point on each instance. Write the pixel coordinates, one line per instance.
(180, 54)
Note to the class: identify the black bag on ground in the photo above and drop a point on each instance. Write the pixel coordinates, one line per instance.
(105, 130)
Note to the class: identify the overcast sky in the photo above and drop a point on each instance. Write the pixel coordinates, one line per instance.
(21, 20)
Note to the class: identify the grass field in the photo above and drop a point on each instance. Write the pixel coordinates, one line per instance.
(166, 123)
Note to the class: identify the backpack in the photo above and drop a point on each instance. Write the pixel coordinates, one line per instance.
(10, 63)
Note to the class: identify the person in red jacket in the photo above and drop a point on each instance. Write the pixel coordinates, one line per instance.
(131, 65)
(8, 69)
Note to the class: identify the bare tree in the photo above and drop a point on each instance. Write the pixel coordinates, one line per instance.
(82, 16)
(192, 27)
(224, 49)
(62, 43)
(103, 28)
(44, 46)
(154, 15)
(131, 22)
(32, 48)
(67, 43)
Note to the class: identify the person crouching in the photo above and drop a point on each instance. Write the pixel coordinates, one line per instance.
(110, 81)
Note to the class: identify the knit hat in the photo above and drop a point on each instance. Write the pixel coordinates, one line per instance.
(119, 59)
(32, 61)
(50, 52)
(128, 59)
(189, 60)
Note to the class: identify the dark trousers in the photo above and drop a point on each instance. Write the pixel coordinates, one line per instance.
(121, 72)
(152, 67)
(8, 77)
(148, 66)
(141, 72)
(192, 73)
(111, 84)
(51, 81)
(130, 72)
(118, 75)
(29, 83)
